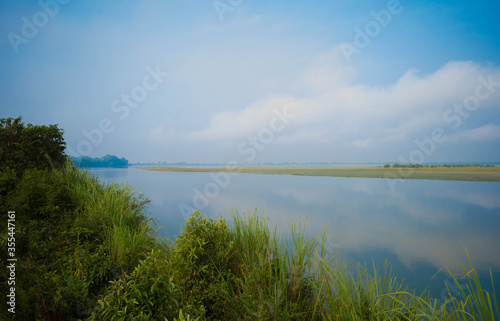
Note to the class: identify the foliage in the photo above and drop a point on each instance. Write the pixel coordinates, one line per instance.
(148, 293)
(472, 301)
(30, 146)
(105, 161)
(42, 206)
(203, 264)
(396, 165)
(276, 281)
(195, 276)
(73, 236)
(367, 296)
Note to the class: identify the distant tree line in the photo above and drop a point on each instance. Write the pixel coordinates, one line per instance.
(105, 161)
(396, 165)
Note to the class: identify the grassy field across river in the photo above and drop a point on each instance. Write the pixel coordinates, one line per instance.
(468, 173)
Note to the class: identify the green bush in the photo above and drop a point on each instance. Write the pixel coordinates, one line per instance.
(196, 276)
(203, 265)
(30, 146)
(43, 208)
(8, 180)
(40, 195)
(148, 293)
(42, 205)
(73, 236)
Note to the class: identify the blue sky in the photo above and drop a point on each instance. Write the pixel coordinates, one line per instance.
(258, 81)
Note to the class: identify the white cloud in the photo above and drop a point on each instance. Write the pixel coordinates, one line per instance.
(252, 118)
(327, 70)
(364, 143)
(159, 135)
(304, 135)
(485, 199)
(484, 133)
(330, 107)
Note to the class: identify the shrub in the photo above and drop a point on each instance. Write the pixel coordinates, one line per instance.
(196, 276)
(73, 235)
(43, 208)
(148, 293)
(30, 146)
(203, 264)
(8, 180)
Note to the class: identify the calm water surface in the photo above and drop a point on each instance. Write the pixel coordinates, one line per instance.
(420, 227)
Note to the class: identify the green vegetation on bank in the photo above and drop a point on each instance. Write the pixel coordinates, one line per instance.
(73, 235)
(397, 165)
(451, 173)
(88, 251)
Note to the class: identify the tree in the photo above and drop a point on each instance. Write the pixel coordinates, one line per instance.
(30, 146)
(105, 161)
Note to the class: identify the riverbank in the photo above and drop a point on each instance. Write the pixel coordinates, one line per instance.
(469, 173)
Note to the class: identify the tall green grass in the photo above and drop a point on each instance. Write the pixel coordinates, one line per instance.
(73, 236)
(117, 212)
(108, 232)
(471, 301)
(300, 282)
(275, 281)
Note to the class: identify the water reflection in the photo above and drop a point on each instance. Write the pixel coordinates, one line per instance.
(420, 228)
